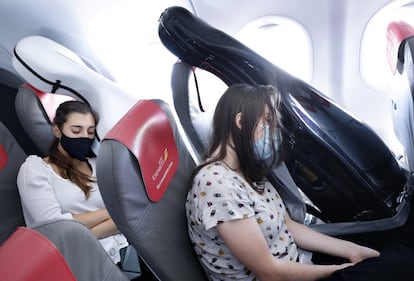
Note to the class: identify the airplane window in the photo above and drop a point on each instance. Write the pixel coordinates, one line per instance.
(282, 41)
(374, 66)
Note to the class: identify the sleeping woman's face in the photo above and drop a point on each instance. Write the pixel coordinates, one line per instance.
(79, 125)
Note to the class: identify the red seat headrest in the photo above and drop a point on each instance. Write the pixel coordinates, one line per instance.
(3, 157)
(397, 32)
(28, 255)
(146, 131)
(50, 101)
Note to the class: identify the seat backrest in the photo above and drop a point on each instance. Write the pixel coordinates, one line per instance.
(11, 157)
(144, 169)
(83, 253)
(17, 263)
(35, 111)
(183, 105)
(397, 33)
(400, 55)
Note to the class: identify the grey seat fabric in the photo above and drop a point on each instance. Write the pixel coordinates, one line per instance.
(82, 251)
(11, 157)
(34, 119)
(403, 105)
(182, 104)
(158, 230)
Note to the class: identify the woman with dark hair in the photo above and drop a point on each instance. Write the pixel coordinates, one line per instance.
(63, 185)
(238, 223)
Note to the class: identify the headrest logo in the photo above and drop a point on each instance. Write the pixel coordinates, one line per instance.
(161, 163)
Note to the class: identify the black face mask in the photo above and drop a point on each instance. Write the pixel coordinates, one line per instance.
(76, 147)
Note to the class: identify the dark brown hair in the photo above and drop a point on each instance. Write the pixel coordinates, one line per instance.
(250, 101)
(65, 164)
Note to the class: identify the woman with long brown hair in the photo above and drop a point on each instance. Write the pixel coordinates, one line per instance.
(63, 185)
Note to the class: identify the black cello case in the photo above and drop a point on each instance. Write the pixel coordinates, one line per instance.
(339, 162)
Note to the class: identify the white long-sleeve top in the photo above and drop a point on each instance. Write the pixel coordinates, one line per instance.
(46, 195)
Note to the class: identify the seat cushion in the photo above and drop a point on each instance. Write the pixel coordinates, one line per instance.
(11, 157)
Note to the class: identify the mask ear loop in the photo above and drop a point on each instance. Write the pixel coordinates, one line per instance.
(277, 138)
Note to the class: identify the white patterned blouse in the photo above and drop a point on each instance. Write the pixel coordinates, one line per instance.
(219, 194)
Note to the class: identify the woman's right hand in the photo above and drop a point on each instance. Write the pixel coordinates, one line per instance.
(99, 222)
(90, 219)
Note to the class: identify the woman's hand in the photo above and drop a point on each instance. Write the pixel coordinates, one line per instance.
(99, 222)
(359, 253)
(344, 265)
(247, 243)
(105, 229)
(93, 218)
(311, 240)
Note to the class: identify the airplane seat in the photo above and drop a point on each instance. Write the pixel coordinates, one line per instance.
(18, 263)
(57, 245)
(35, 110)
(11, 157)
(193, 118)
(400, 55)
(144, 170)
(17, 241)
(82, 251)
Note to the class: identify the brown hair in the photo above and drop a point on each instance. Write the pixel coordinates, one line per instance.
(250, 101)
(65, 164)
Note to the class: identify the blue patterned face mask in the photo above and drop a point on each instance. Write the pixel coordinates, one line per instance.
(263, 147)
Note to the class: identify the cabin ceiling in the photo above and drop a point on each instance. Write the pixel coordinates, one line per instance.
(68, 22)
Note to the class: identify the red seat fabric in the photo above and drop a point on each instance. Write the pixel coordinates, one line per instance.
(28, 255)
